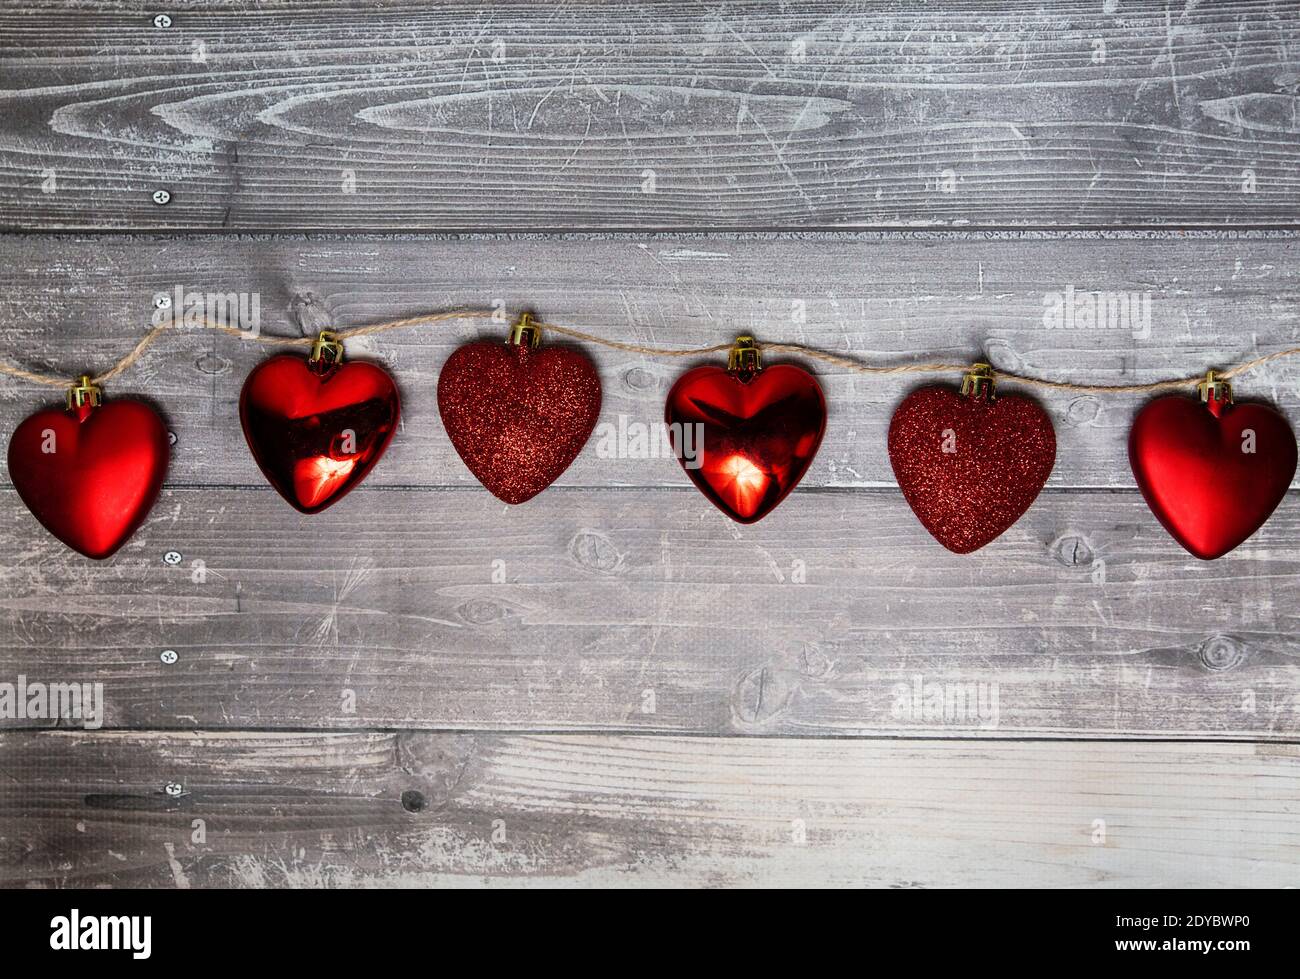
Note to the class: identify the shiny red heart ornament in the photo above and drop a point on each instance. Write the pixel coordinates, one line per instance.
(1211, 481)
(745, 439)
(317, 428)
(90, 474)
(517, 414)
(969, 465)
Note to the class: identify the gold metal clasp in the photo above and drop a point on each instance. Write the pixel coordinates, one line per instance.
(526, 332)
(743, 358)
(978, 381)
(1213, 389)
(326, 350)
(84, 392)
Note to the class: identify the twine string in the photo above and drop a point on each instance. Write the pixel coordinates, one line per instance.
(796, 349)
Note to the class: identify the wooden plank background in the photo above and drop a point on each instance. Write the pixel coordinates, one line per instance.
(613, 684)
(418, 809)
(646, 610)
(295, 114)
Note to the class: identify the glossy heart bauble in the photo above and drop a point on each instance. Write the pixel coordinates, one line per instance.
(746, 438)
(969, 465)
(90, 474)
(518, 414)
(1211, 481)
(317, 428)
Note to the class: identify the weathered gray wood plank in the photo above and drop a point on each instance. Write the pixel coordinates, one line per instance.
(403, 115)
(68, 303)
(647, 610)
(336, 810)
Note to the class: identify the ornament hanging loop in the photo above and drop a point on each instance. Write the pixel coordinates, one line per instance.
(1215, 391)
(743, 358)
(326, 351)
(84, 392)
(978, 381)
(526, 332)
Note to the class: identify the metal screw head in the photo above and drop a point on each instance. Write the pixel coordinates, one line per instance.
(162, 301)
(171, 438)
(161, 196)
(174, 789)
(162, 20)
(168, 656)
(172, 557)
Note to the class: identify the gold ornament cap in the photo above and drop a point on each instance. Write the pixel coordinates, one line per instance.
(85, 392)
(978, 382)
(526, 332)
(1215, 389)
(743, 358)
(326, 350)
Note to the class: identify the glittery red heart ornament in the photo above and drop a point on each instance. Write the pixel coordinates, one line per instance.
(317, 426)
(970, 464)
(1211, 473)
(747, 434)
(90, 474)
(518, 413)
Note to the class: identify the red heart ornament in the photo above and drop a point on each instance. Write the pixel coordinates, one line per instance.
(317, 427)
(90, 474)
(1211, 473)
(970, 465)
(518, 414)
(746, 435)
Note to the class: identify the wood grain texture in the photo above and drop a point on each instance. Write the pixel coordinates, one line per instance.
(648, 610)
(295, 114)
(614, 684)
(70, 303)
(336, 810)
